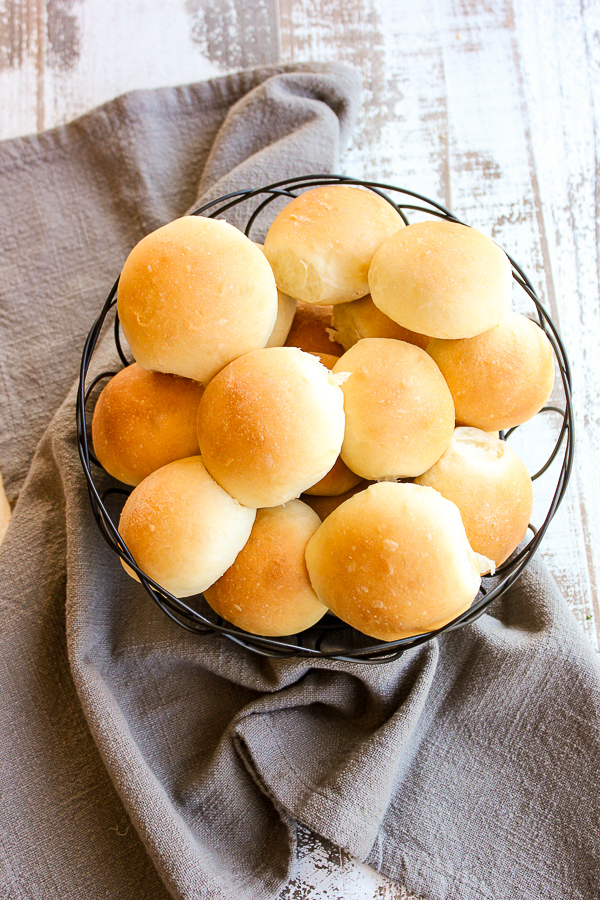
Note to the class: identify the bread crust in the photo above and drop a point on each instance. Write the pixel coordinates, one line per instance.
(194, 295)
(394, 561)
(267, 589)
(441, 279)
(270, 425)
(321, 244)
(144, 420)
(351, 322)
(491, 487)
(500, 378)
(182, 529)
(399, 412)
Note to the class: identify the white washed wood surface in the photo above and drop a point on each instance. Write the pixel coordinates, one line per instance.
(490, 106)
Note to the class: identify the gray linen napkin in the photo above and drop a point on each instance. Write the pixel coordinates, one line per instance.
(140, 762)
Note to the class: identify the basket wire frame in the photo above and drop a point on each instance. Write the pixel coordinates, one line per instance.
(310, 644)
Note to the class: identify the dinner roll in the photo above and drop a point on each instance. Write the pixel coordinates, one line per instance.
(441, 279)
(267, 590)
(399, 412)
(499, 378)
(144, 420)
(270, 425)
(193, 296)
(182, 529)
(350, 322)
(490, 485)
(311, 330)
(324, 506)
(326, 358)
(286, 310)
(340, 479)
(394, 561)
(321, 244)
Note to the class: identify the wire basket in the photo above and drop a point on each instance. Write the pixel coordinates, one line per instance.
(330, 638)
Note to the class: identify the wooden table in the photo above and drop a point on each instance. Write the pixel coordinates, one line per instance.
(489, 106)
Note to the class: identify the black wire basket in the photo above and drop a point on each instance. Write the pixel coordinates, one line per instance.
(330, 638)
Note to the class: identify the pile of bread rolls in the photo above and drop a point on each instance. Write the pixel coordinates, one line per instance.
(313, 424)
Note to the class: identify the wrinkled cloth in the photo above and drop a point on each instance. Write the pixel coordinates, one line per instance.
(139, 761)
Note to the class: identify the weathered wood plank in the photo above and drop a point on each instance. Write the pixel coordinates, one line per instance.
(559, 55)
(19, 80)
(235, 34)
(327, 873)
(59, 58)
(401, 134)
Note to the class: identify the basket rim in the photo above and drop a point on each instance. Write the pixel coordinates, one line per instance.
(195, 622)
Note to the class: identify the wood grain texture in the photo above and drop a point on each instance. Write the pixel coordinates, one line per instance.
(234, 33)
(59, 58)
(327, 873)
(559, 59)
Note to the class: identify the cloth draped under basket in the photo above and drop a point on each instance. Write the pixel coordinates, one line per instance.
(141, 762)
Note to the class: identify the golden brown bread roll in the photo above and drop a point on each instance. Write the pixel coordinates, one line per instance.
(311, 329)
(324, 506)
(193, 296)
(499, 378)
(182, 529)
(144, 420)
(321, 244)
(394, 561)
(490, 485)
(338, 480)
(350, 322)
(399, 412)
(270, 425)
(267, 590)
(327, 359)
(441, 279)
